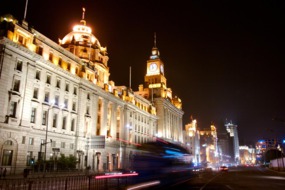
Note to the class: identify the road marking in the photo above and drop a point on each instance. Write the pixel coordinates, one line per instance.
(208, 182)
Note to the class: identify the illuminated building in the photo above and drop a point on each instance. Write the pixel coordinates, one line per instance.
(59, 97)
(192, 140)
(233, 132)
(209, 148)
(247, 155)
(169, 108)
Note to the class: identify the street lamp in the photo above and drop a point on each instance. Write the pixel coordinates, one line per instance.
(45, 143)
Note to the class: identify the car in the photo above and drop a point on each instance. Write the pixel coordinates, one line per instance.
(224, 168)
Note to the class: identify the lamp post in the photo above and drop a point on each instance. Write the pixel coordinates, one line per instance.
(46, 136)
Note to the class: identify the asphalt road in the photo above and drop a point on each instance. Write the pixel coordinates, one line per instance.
(237, 178)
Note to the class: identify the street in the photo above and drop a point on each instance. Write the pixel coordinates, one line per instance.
(237, 178)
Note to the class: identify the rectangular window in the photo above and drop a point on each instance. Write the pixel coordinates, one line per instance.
(73, 106)
(62, 145)
(68, 66)
(44, 120)
(54, 120)
(7, 157)
(31, 141)
(88, 96)
(21, 40)
(19, 65)
(39, 50)
(23, 139)
(56, 100)
(64, 123)
(38, 75)
(46, 100)
(59, 61)
(50, 57)
(58, 83)
(16, 86)
(71, 146)
(33, 115)
(75, 91)
(13, 108)
(87, 110)
(72, 125)
(66, 103)
(67, 87)
(48, 81)
(36, 92)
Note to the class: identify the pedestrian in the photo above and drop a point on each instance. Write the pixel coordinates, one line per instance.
(4, 173)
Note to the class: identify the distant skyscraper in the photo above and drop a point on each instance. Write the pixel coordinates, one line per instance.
(232, 130)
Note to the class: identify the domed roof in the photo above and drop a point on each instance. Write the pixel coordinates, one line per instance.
(81, 33)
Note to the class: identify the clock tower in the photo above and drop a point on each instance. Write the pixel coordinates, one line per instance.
(154, 78)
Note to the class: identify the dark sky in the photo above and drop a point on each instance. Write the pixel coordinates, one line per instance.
(224, 59)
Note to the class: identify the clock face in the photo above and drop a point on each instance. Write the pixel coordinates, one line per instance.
(152, 67)
(161, 68)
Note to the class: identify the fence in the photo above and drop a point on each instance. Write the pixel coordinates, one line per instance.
(278, 164)
(86, 182)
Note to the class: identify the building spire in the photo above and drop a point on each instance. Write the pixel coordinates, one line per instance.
(83, 16)
(154, 51)
(26, 7)
(83, 13)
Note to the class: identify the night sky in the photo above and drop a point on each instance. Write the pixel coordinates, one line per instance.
(224, 59)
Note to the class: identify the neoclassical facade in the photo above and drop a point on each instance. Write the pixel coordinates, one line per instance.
(56, 98)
